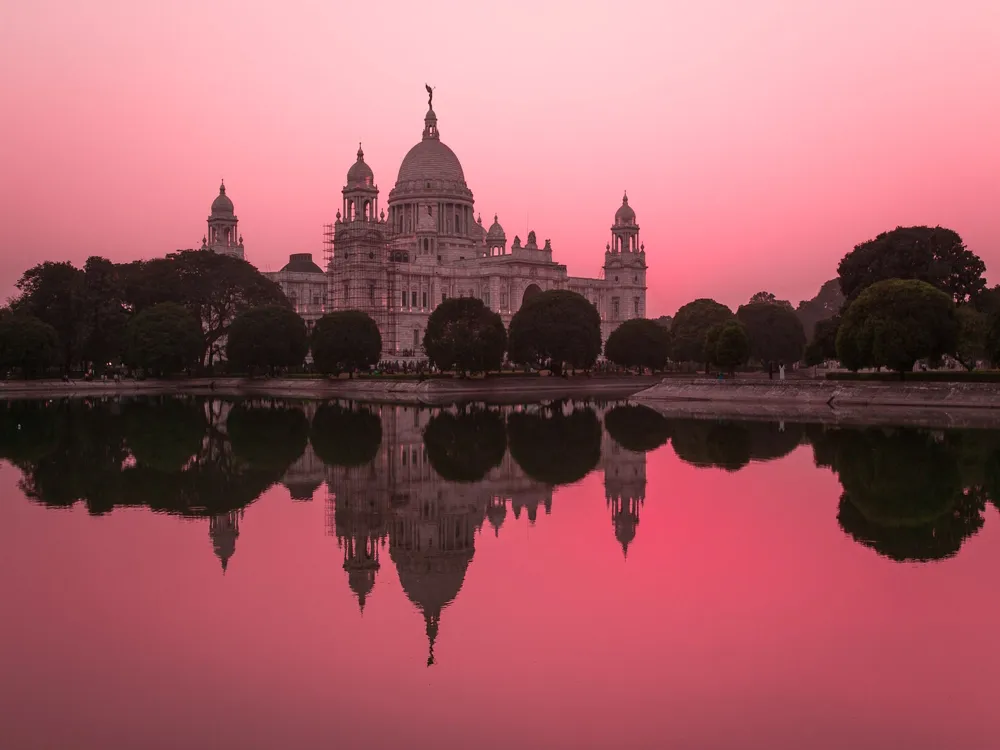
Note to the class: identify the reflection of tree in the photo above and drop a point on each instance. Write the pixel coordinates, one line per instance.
(725, 445)
(345, 436)
(163, 433)
(270, 436)
(903, 492)
(28, 430)
(773, 440)
(637, 428)
(553, 447)
(463, 447)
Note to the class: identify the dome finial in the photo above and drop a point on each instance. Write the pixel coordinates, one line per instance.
(625, 198)
(361, 154)
(222, 186)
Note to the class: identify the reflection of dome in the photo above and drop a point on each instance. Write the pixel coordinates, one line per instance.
(222, 204)
(223, 530)
(496, 513)
(360, 174)
(362, 581)
(624, 216)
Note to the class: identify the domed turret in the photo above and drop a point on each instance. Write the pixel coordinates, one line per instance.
(360, 174)
(496, 232)
(222, 205)
(625, 216)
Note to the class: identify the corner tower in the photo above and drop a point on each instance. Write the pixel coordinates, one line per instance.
(360, 192)
(624, 270)
(223, 237)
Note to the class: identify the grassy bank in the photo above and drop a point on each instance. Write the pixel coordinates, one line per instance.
(930, 376)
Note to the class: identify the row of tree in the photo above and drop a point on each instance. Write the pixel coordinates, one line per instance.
(85, 318)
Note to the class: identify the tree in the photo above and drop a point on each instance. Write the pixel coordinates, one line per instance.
(973, 327)
(54, 293)
(639, 343)
(27, 344)
(215, 288)
(896, 322)
(164, 339)
(345, 340)
(727, 345)
(825, 305)
(774, 330)
(723, 445)
(824, 342)
(267, 337)
(556, 326)
(105, 313)
(936, 256)
(767, 298)
(463, 334)
(993, 339)
(690, 327)
(665, 320)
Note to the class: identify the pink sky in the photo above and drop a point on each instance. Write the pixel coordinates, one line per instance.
(758, 141)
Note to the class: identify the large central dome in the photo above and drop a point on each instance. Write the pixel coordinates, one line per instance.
(431, 167)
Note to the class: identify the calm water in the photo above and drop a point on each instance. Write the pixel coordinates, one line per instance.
(260, 575)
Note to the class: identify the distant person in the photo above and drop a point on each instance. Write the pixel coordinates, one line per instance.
(781, 372)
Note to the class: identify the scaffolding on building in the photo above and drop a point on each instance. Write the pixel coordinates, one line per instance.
(361, 259)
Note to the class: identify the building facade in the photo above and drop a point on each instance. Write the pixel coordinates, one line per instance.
(398, 262)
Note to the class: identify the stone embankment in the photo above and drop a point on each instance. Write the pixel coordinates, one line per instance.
(838, 402)
(435, 391)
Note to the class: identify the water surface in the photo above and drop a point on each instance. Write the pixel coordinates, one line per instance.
(185, 573)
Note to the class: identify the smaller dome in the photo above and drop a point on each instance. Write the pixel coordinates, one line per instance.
(301, 263)
(625, 215)
(222, 204)
(360, 174)
(496, 233)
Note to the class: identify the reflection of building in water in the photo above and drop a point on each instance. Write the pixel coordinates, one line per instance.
(223, 530)
(305, 476)
(624, 487)
(432, 522)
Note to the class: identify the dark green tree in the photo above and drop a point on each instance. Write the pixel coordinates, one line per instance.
(164, 433)
(215, 288)
(638, 429)
(105, 313)
(28, 344)
(774, 330)
(894, 323)
(823, 345)
(973, 328)
(347, 340)
(558, 327)
(464, 335)
(464, 446)
(54, 293)
(639, 343)
(691, 325)
(347, 436)
(727, 345)
(993, 339)
(825, 305)
(164, 339)
(555, 448)
(266, 338)
(935, 255)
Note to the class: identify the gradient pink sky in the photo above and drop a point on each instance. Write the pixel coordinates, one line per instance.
(758, 141)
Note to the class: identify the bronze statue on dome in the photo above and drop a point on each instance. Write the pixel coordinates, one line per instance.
(430, 96)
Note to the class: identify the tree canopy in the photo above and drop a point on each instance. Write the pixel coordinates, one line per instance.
(639, 343)
(825, 305)
(266, 338)
(27, 344)
(973, 328)
(164, 339)
(54, 294)
(345, 435)
(934, 255)
(690, 328)
(774, 330)
(727, 345)
(556, 326)
(637, 428)
(345, 341)
(464, 334)
(896, 322)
